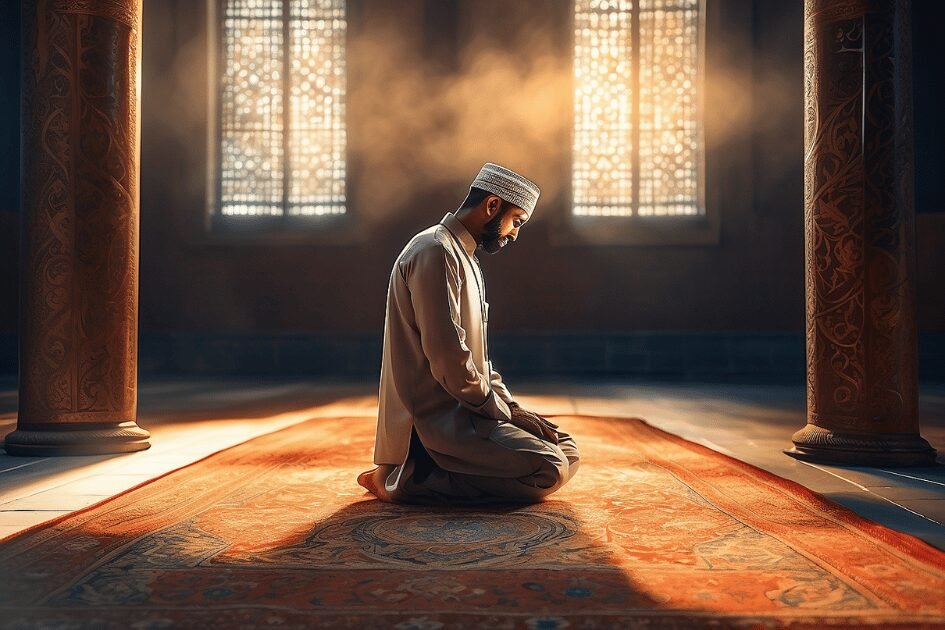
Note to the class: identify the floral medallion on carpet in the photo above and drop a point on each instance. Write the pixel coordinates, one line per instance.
(653, 531)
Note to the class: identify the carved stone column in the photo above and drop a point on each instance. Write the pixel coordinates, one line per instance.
(79, 265)
(862, 396)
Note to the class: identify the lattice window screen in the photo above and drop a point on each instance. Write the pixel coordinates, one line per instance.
(638, 143)
(282, 109)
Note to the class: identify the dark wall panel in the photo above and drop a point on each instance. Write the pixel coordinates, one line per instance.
(928, 87)
(9, 161)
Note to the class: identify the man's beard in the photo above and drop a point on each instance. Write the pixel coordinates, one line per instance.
(491, 242)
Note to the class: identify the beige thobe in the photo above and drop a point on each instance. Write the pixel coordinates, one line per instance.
(437, 379)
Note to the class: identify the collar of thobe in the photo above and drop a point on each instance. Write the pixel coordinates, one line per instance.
(459, 230)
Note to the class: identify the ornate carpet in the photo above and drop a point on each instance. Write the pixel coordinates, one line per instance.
(653, 531)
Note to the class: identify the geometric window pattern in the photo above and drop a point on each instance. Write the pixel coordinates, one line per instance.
(638, 140)
(282, 108)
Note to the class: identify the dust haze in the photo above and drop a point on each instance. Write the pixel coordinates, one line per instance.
(426, 129)
(417, 123)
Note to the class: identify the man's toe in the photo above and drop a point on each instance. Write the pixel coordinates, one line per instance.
(366, 480)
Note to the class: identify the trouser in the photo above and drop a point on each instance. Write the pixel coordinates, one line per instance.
(482, 461)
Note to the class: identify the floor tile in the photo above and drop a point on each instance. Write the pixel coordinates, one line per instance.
(931, 508)
(28, 518)
(906, 493)
(889, 514)
(104, 484)
(55, 500)
(882, 477)
(9, 530)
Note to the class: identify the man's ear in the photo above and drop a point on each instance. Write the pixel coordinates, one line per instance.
(493, 203)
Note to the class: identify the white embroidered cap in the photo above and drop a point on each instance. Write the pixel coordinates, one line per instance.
(508, 185)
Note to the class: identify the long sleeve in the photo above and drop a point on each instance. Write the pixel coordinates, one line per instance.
(434, 283)
(499, 387)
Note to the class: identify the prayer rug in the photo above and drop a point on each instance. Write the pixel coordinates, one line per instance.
(653, 531)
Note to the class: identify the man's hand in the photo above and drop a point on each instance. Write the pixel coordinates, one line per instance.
(533, 423)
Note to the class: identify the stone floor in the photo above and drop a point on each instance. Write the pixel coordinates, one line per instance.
(191, 419)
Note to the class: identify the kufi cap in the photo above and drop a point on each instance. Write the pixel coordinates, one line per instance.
(508, 185)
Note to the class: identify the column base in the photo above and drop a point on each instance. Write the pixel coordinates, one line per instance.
(822, 446)
(37, 441)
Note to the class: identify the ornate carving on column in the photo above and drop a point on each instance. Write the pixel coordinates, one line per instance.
(859, 232)
(79, 271)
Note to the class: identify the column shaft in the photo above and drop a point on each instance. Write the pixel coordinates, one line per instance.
(79, 265)
(862, 397)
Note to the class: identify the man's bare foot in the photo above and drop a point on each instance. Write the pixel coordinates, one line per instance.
(373, 481)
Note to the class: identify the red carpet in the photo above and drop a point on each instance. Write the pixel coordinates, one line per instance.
(654, 531)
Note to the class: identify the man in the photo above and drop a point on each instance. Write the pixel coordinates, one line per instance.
(448, 429)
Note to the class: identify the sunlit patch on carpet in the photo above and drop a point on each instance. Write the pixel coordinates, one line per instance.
(653, 530)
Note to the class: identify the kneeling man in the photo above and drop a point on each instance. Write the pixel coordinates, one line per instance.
(448, 429)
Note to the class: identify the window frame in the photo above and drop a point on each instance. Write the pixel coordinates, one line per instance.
(280, 229)
(572, 229)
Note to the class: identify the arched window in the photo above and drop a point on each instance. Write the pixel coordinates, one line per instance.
(280, 109)
(638, 133)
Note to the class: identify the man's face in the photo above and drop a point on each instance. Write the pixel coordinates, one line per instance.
(503, 227)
